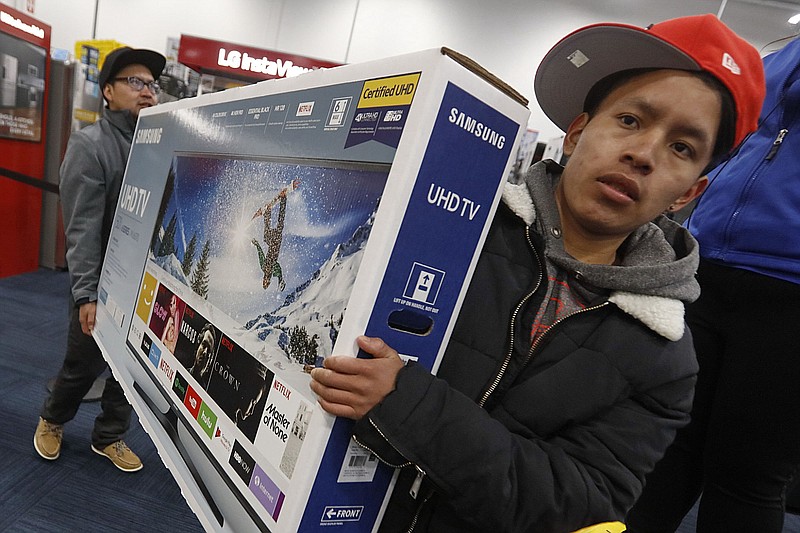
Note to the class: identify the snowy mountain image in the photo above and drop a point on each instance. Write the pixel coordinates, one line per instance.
(171, 265)
(269, 248)
(317, 305)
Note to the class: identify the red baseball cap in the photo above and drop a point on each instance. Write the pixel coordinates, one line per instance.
(584, 57)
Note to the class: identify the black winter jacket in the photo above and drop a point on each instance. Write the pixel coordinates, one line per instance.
(545, 438)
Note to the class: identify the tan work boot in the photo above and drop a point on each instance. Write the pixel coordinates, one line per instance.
(47, 439)
(122, 456)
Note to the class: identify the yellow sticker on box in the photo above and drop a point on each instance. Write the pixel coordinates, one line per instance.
(146, 296)
(397, 90)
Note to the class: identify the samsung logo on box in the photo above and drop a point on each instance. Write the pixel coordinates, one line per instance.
(478, 129)
(149, 136)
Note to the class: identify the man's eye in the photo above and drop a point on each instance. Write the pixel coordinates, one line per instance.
(628, 120)
(682, 148)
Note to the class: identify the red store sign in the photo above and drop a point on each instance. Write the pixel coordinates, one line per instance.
(243, 62)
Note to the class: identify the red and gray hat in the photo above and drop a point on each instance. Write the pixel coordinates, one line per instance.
(584, 57)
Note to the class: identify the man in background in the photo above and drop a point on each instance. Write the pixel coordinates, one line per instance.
(91, 177)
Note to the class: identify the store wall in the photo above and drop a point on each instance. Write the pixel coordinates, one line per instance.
(509, 37)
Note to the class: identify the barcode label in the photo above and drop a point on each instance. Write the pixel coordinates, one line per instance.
(358, 460)
(358, 466)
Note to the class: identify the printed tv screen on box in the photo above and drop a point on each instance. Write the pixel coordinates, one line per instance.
(263, 229)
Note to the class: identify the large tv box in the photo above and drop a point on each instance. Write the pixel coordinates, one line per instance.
(263, 228)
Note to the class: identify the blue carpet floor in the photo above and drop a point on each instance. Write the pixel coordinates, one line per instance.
(80, 491)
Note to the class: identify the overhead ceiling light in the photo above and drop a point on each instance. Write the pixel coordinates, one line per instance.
(795, 19)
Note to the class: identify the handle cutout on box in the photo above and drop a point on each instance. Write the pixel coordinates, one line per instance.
(409, 321)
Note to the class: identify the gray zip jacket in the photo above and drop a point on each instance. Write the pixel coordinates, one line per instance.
(90, 181)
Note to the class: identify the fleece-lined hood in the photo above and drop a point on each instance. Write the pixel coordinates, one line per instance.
(658, 260)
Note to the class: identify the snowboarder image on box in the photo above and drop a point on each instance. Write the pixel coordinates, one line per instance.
(273, 237)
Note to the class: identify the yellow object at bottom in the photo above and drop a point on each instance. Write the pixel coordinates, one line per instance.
(605, 527)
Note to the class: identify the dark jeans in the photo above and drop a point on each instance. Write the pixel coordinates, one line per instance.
(83, 363)
(742, 446)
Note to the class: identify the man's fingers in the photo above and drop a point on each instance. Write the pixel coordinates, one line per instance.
(340, 378)
(375, 347)
(338, 410)
(87, 324)
(342, 364)
(331, 394)
(329, 376)
(86, 314)
(337, 402)
(351, 386)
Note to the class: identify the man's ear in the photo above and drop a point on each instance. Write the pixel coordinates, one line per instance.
(574, 132)
(693, 192)
(108, 91)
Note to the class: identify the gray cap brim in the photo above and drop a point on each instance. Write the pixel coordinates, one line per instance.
(574, 65)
